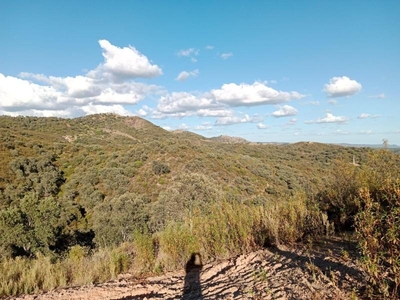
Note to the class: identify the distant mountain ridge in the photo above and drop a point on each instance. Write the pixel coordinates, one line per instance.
(375, 146)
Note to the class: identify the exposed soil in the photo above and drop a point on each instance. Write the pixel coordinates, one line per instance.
(327, 271)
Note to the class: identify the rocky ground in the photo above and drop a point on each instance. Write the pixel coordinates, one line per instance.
(323, 271)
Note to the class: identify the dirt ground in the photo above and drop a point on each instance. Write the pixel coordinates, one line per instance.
(324, 271)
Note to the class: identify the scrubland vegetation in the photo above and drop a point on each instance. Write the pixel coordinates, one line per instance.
(86, 199)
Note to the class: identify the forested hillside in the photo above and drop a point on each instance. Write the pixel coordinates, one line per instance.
(72, 188)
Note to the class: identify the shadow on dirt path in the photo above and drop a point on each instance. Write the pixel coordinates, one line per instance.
(192, 284)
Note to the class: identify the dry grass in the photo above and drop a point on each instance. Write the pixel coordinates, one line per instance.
(229, 229)
(27, 276)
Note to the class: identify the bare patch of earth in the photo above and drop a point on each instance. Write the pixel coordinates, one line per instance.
(327, 271)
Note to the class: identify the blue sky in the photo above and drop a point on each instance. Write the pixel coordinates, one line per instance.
(268, 71)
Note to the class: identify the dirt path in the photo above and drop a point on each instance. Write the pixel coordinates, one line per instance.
(276, 273)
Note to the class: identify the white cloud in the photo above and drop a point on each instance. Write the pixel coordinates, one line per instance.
(188, 52)
(98, 109)
(380, 96)
(285, 111)
(364, 116)
(342, 86)
(124, 62)
(17, 93)
(109, 84)
(226, 55)
(204, 126)
(183, 126)
(216, 103)
(209, 47)
(38, 77)
(367, 116)
(185, 75)
(81, 90)
(233, 120)
(40, 113)
(255, 94)
(167, 128)
(261, 126)
(183, 102)
(191, 53)
(141, 112)
(70, 112)
(329, 118)
(214, 112)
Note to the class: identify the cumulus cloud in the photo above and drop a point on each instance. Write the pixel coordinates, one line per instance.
(226, 55)
(109, 85)
(209, 47)
(183, 102)
(37, 77)
(70, 112)
(285, 111)
(367, 116)
(185, 75)
(218, 102)
(214, 112)
(342, 86)
(252, 94)
(124, 62)
(261, 126)
(38, 113)
(98, 109)
(81, 90)
(329, 118)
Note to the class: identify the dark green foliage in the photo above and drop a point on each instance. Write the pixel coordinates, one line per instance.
(104, 179)
(114, 221)
(32, 226)
(38, 175)
(189, 193)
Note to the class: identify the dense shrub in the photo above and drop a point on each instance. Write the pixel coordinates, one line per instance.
(160, 168)
(32, 226)
(115, 220)
(189, 192)
(340, 198)
(366, 199)
(378, 222)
